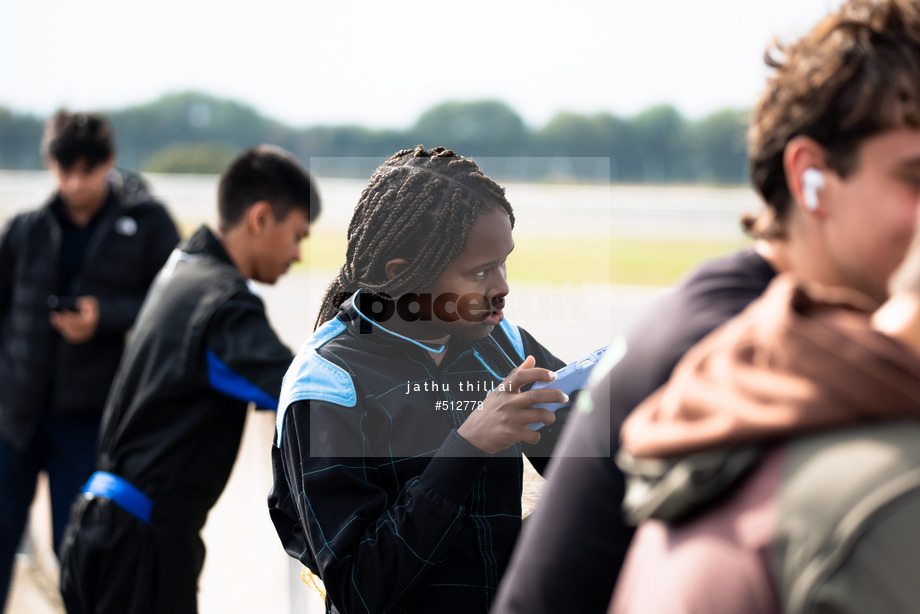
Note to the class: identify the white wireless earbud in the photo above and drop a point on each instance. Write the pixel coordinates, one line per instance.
(812, 181)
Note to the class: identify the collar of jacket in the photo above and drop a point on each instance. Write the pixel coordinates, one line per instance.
(204, 241)
(54, 206)
(360, 324)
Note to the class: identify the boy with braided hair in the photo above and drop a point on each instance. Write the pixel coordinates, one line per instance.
(396, 478)
(379, 225)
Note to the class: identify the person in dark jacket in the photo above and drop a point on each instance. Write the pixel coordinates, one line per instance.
(73, 275)
(201, 352)
(401, 428)
(833, 144)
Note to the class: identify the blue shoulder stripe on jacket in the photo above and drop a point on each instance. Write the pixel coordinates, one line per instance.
(312, 377)
(514, 336)
(227, 381)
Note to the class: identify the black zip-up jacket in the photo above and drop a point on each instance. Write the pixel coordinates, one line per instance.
(39, 370)
(201, 351)
(375, 491)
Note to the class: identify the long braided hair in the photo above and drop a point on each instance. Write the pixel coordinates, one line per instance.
(419, 205)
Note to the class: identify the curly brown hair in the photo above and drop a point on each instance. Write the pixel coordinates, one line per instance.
(855, 75)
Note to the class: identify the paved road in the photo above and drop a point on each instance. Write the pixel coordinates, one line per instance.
(560, 209)
(32, 591)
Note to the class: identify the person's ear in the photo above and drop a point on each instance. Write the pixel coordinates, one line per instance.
(258, 217)
(395, 266)
(806, 169)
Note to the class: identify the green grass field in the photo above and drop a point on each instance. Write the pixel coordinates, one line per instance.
(652, 262)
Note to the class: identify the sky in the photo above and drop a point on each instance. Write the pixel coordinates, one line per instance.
(381, 64)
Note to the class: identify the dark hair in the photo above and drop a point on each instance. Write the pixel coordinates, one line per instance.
(855, 75)
(419, 205)
(266, 173)
(77, 136)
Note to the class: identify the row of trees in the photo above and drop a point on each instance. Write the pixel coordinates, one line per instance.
(197, 133)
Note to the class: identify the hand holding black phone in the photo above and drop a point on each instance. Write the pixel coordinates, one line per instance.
(62, 303)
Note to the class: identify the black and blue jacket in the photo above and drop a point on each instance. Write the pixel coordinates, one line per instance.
(201, 351)
(375, 491)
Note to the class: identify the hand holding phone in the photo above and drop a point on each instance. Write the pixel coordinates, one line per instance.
(77, 321)
(569, 378)
(62, 303)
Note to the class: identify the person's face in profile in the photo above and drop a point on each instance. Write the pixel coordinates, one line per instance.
(278, 245)
(869, 222)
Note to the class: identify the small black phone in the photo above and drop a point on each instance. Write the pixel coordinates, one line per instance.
(62, 303)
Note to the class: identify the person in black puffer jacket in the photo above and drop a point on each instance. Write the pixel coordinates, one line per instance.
(73, 275)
